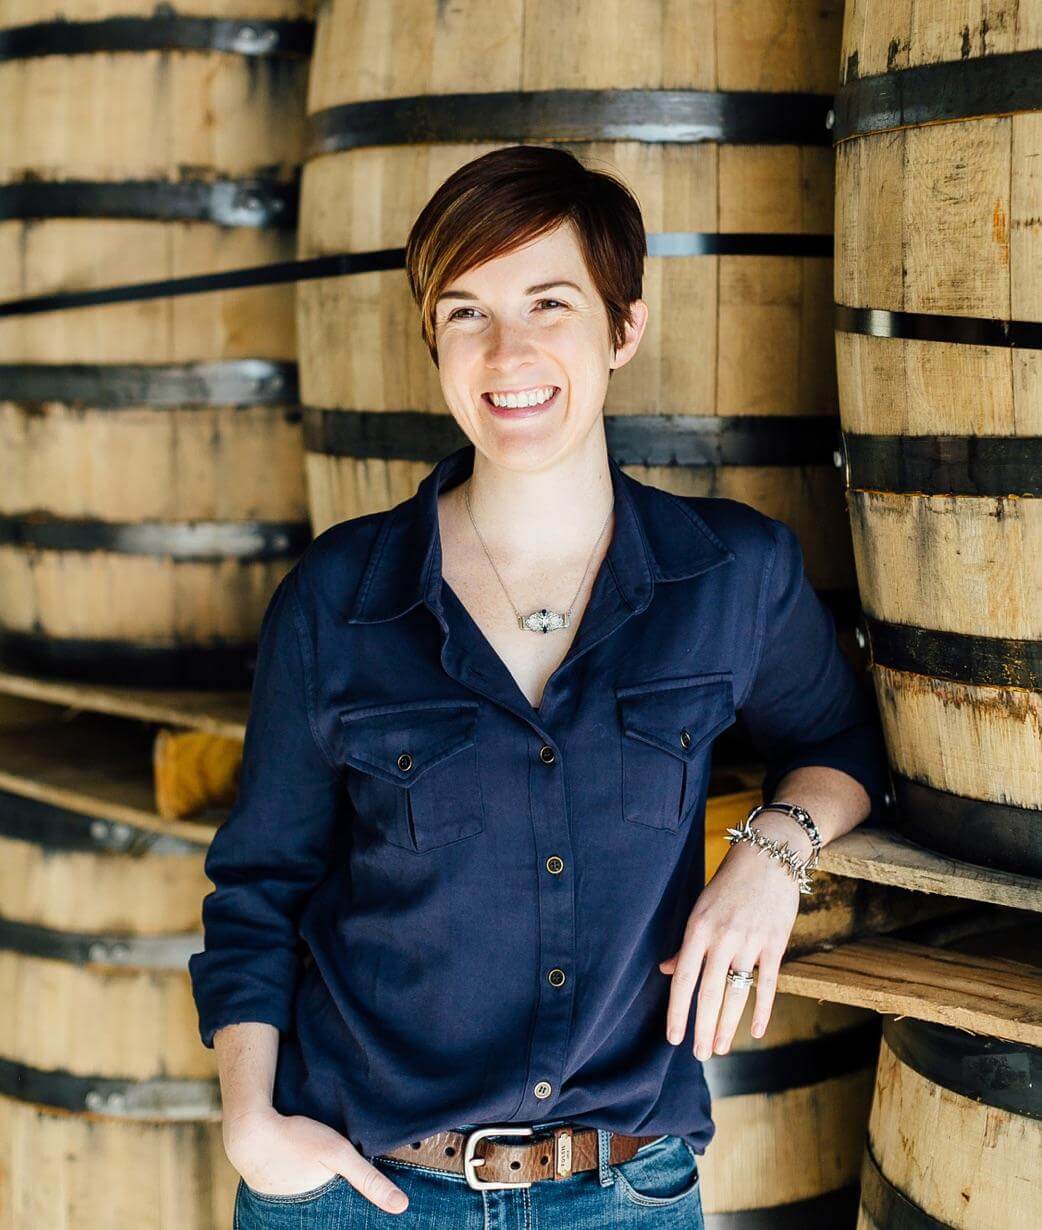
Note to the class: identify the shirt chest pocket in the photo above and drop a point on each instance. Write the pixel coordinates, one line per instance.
(667, 728)
(416, 765)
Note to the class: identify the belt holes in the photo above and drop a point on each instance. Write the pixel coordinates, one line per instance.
(515, 1165)
(450, 1149)
(415, 1144)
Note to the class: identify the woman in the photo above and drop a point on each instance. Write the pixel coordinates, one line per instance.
(492, 842)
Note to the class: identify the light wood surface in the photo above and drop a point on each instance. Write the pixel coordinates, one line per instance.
(985, 994)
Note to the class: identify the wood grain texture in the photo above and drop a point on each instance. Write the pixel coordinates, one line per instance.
(986, 994)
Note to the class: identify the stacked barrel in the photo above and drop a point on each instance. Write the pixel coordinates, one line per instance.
(152, 495)
(151, 458)
(939, 333)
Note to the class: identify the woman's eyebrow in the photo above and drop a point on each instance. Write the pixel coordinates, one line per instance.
(532, 290)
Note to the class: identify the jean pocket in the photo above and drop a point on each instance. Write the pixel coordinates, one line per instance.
(415, 775)
(313, 1193)
(664, 1173)
(668, 726)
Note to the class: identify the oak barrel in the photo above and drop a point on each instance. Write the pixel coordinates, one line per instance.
(955, 1129)
(938, 287)
(152, 491)
(109, 1104)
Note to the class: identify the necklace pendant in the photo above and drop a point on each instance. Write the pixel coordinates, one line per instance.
(543, 621)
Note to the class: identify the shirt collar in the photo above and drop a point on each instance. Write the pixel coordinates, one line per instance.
(657, 537)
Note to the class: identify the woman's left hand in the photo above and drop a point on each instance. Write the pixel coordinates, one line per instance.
(742, 919)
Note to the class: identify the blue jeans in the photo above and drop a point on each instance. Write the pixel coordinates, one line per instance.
(658, 1187)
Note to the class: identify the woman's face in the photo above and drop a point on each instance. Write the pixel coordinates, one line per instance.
(514, 325)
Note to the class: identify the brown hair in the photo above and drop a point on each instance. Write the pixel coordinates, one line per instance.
(509, 196)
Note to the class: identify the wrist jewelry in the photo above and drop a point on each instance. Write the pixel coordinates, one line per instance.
(780, 850)
(802, 818)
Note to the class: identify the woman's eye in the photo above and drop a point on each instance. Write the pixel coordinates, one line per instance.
(455, 315)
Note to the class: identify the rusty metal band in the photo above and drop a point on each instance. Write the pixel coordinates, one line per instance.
(794, 1065)
(224, 202)
(162, 1098)
(156, 952)
(55, 829)
(888, 1208)
(962, 657)
(182, 541)
(933, 327)
(1000, 835)
(633, 439)
(664, 244)
(159, 33)
(944, 465)
(972, 88)
(992, 1071)
(743, 117)
(224, 664)
(113, 386)
(837, 1208)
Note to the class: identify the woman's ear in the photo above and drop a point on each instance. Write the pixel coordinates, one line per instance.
(633, 330)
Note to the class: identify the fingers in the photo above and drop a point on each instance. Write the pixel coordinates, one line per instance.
(766, 986)
(734, 1000)
(372, 1183)
(687, 965)
(710, 997)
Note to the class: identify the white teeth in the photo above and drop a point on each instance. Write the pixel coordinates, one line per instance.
(535, 398)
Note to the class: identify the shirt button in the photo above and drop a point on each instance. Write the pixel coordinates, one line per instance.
(405, 762)
(556, 977)
(546, 754)
(555, 865)
(685, 737)
(543, 1089)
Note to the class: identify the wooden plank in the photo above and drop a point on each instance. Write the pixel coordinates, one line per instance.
(98, 766)
(222, 713)
(983, 993)
(887, 857)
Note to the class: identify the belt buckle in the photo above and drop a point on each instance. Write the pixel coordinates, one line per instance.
(470, 1161)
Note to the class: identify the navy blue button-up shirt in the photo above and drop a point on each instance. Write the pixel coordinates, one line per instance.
(452, 904)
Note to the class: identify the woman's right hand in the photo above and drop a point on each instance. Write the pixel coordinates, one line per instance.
(283, 1155)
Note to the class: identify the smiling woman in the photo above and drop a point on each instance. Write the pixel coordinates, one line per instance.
(493, 843)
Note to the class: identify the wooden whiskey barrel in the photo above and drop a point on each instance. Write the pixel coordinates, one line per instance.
(938, 125)
(717, 123)
(955, 1129)
(152, 491)
(109, 1104)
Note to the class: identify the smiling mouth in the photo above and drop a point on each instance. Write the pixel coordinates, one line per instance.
(542, 405)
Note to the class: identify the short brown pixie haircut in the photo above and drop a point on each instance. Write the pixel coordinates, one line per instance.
(509, 196)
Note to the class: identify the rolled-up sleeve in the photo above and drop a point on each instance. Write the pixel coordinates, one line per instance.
(278, 841)
(806, 705)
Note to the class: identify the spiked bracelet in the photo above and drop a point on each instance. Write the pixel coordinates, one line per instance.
(802, 818)
(781, 850)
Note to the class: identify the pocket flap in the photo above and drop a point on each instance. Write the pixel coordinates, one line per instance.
(376, 738)
(660, 711)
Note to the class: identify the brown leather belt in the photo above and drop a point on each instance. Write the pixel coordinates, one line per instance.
(555, 1152)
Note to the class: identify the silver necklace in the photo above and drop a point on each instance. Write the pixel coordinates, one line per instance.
(543, 620)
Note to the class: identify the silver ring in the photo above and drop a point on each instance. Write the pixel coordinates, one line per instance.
(740, 977)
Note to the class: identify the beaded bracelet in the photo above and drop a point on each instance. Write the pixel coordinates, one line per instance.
(780, 850)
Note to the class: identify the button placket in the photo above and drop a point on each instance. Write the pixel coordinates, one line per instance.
(556, 911)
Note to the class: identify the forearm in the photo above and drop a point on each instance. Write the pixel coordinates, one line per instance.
(246, 1056)
(836, 801)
